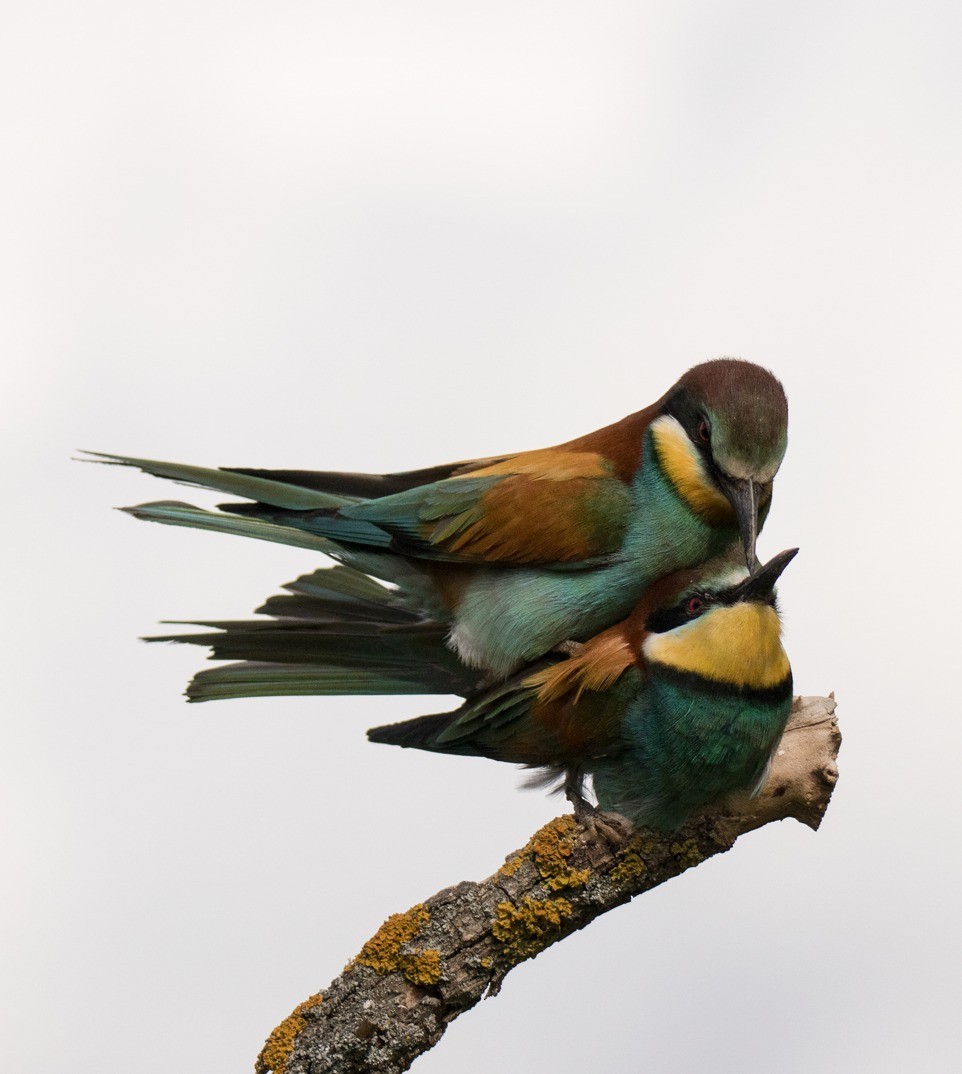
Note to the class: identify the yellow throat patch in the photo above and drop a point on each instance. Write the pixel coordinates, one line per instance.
(738, 644)
(684, 468)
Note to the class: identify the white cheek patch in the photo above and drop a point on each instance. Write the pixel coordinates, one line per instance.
(670, 436)
(721, 579)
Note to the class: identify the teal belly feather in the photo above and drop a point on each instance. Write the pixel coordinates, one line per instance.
(509, 616)
(688, 743)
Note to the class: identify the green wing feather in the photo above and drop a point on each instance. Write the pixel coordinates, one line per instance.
(510, 722)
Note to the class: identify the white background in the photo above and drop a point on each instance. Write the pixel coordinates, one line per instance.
(384, 235)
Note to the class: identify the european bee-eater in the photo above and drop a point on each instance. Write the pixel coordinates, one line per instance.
(522, 552)
(668, 711)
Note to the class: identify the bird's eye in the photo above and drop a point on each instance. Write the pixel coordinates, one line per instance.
(704, 430)
(694, 605)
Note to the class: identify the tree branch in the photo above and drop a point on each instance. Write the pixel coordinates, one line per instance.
(425, 967)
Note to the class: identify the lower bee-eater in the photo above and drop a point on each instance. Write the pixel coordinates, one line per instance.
(672, 708)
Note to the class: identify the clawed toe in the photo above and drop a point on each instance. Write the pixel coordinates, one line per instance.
(613, 828)
(569, 648)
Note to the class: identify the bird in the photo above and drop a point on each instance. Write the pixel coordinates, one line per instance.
(523, 552)
(668, 711)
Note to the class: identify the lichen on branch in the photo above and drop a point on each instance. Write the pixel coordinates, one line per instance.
(426, 966)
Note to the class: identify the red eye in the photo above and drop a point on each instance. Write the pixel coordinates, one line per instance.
(704, 430)
(695, 605)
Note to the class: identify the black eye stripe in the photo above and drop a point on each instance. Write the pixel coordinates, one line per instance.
(668, 618)
(689, 414)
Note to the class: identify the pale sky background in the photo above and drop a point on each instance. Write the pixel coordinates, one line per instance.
(384, 235)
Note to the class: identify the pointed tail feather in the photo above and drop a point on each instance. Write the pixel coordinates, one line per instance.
(291, 501)
(421, 733)
(342, 593)
(296, 680)
(415, 588)
(235, 482)
(175, 513)
(336, 632)
(282, 657)
(343, 581)
(417, 655)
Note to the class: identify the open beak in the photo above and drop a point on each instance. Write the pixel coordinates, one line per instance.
(760, 584)
(744, 495)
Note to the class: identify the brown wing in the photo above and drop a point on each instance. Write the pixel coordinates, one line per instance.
(555, 505)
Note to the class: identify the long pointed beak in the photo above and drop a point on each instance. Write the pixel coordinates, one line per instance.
(760, 584)
(744, 495)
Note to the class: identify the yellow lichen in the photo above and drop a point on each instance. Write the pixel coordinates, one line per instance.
(383, 952)
(551, 847)
(529, 927)
(688, 852)
(421, 967)
(632, 864)
(279, 1045)
(512, 865)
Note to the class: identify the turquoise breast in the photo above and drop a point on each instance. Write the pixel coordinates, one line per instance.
(510, 616)
(688, 743)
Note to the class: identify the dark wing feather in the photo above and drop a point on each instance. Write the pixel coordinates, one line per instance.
(514, 722)
(363, 486)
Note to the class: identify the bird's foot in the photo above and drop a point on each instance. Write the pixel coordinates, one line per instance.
(569, 648)
(613, 828)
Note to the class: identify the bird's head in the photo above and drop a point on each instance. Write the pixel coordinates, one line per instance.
(721, 437)
(722, 627)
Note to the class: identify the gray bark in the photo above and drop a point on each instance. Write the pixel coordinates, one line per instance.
(425, 967)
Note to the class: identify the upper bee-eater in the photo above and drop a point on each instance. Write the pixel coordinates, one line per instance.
(519, 553)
